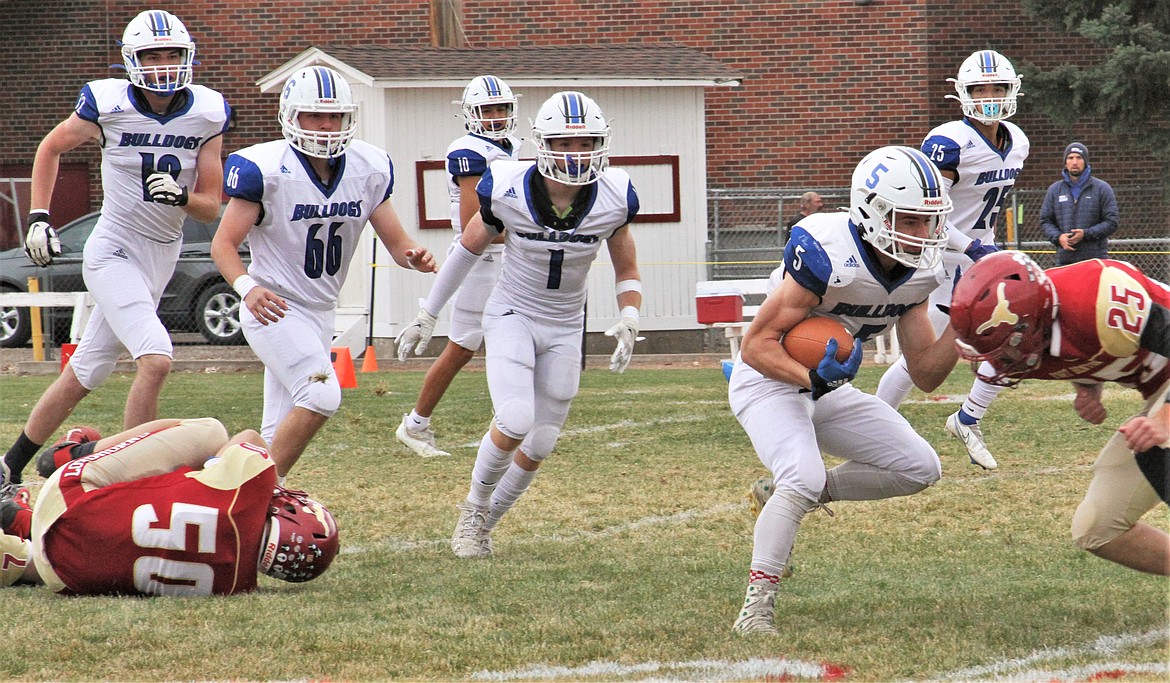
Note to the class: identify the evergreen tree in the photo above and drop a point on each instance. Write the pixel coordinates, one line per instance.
(1128, 88)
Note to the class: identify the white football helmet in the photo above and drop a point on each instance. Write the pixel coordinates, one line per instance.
(323, 90)
(157, 30)
(986, 66)
(893, 180)
(570, 114)
(485, 91)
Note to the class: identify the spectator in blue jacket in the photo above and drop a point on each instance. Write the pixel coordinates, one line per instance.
(1080, 211)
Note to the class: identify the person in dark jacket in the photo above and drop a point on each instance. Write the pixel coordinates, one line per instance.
(1079, 211)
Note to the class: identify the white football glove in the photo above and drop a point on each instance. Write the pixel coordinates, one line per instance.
(626, 333)
(41, 244)
(416, 335)
(163, 189)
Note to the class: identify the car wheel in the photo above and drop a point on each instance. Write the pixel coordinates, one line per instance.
(217, 315)
(15, 326)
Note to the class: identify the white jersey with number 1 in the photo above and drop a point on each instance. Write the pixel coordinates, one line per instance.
(545, 271)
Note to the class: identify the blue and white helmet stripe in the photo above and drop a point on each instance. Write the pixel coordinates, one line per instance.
(160, 23)
(326, 87)
(987, 62)
(573, 107)
(927, 173)
(492, 86)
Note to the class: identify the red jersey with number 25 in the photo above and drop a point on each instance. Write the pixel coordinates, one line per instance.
(185, 533)
(1104, 306)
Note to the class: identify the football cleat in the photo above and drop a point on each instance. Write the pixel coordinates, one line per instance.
(470, 539)
(759, 494)
(972, 438)
(421, 441)
(64, 450)
(757, 613)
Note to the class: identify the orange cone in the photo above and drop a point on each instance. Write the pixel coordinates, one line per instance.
(343, 367)
(370, 360)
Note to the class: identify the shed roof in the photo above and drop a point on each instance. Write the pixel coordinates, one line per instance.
(659, 63)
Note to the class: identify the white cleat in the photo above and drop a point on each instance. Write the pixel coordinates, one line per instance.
(972, 438)
(470, 539)
(421, 441)
(758, 606)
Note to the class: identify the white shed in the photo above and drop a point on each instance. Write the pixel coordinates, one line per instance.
(653, 97)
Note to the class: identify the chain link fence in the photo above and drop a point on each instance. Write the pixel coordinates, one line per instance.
(746, 233)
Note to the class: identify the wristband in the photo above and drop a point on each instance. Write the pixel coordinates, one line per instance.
(243, 285)
(628, 286)
(630, 312)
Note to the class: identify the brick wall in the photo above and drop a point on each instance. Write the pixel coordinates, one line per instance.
(824, 82)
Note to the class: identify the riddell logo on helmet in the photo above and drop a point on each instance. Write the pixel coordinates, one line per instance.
(575, 126)
(932, 202)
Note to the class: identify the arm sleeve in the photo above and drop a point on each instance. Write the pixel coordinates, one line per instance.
(451, 275)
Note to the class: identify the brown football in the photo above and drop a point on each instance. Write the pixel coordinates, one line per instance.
(806, 341)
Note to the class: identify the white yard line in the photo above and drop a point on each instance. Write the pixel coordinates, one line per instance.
(1104, 646)
(696, 670)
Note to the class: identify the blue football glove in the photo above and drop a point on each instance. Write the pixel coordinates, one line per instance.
(977, 250)
(830, 374)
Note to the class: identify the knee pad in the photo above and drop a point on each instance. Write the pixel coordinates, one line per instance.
(93, 376)
(321, 397)
(541, 442)
(515, 418)
(565, 377)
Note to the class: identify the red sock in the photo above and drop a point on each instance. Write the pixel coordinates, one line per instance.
(757, 575)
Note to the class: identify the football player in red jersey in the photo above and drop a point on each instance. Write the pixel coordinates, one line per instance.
(1090, 322)
(173, 507)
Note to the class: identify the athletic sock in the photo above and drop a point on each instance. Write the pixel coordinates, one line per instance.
(19, 455)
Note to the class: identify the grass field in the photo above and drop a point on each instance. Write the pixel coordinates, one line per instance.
(627, 559)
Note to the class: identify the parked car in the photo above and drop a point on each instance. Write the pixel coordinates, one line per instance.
(196, 299)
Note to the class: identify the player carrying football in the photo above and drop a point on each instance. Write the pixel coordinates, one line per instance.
(869, 269)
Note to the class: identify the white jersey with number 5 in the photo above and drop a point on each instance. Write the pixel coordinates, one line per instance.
(545, 271)
(828, 257)
(136, 143)
(308, 232)
(986, 173)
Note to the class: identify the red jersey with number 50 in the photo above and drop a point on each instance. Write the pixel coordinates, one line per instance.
(1104, 306)
(185, 533)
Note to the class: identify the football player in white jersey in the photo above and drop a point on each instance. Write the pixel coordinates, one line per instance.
(302, 204)
(489, 111)
(554, 214)
(869, 269)
(161, 138)
(980, 156)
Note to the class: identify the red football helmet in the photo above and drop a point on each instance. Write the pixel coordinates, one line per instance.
(1002, 311)
(301, 540)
